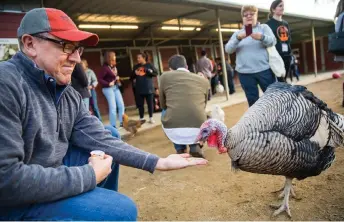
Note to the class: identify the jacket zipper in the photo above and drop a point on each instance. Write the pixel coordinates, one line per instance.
(58, 121)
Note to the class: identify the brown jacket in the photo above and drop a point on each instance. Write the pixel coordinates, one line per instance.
(184, 96)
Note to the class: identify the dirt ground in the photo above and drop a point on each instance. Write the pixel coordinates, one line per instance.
(214, 192)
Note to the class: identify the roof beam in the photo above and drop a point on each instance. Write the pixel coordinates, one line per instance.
(166, 40)
(145, 28)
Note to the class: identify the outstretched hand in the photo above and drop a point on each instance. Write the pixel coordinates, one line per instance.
(179, 161)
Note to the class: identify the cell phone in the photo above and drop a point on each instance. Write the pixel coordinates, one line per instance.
(248, 29)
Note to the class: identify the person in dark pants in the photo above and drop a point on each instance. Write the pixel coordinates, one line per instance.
(293, 71)
(263, 79)
(230, 75)
(142, 78)
(92, 84)
(214, 81)
(281, 30)
(80, 84)
(252, 61)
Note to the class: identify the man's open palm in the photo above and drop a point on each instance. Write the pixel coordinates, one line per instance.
(179, 161)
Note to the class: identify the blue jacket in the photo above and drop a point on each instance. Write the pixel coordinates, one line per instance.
(35, 132)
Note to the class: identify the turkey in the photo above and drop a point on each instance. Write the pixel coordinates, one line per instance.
(217, 113)
(287, 132)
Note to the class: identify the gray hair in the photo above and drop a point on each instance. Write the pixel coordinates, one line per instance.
(177, 61)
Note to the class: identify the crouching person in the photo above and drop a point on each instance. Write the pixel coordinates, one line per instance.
(183, 98)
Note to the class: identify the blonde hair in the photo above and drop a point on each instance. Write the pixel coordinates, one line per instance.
(85, 62)
(248, 8)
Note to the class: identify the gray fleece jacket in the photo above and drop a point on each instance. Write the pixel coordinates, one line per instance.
(251, 54)
(35, 133)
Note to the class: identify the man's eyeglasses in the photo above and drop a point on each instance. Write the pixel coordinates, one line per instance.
(249, 14)
(68, 48)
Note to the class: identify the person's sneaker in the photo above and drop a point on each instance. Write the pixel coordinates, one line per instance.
(121, 125)
(151, 120)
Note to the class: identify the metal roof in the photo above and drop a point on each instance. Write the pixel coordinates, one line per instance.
(151, 15)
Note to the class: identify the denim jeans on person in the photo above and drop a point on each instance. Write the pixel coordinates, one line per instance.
(114, 98)
(87, 102)
(250, 82)
(230, 80)
(94, 104)
(193, 147)
(214, 81)
(102, 203)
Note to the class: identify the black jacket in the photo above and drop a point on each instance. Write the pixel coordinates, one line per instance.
(144, 80)
(80, 82)
(282, 33)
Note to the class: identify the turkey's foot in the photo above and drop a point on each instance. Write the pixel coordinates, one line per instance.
(292, 194)
(284, 206)
(282, 194)
(280, 208)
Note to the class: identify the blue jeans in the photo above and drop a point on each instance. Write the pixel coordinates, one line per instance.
(250, 82)
(214, 81)
(113, 131)
(114, 99)
(87, 102)
(94, 104)
(179, 147)
(102, 203)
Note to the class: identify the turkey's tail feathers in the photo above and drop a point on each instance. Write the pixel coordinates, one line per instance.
(336, 124)
(325, 158)
(336, 121)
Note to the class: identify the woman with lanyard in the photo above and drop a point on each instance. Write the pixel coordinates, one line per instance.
(109, 79)
(142, 78)
(281, 30)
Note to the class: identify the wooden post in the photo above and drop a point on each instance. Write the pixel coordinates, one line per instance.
(314, 51)
(222, 53)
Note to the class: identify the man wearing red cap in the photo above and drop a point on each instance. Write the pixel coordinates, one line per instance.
(47, 134)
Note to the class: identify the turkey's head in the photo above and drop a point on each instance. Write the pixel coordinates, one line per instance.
(213, 132)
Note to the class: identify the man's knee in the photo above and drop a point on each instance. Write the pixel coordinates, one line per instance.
(111, 206)
(129, 210)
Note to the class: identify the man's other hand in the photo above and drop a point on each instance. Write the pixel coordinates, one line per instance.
(101, 167)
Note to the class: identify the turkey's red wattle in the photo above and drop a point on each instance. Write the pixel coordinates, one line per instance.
(212, 140)
(222, 150)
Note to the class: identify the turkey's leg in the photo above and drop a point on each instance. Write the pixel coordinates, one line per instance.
(285, 203)
(292, 192)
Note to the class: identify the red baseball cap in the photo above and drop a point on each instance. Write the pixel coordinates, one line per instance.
(56, 23)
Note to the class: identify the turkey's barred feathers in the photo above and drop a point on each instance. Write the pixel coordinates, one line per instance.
(280, 134)
(293, 159)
